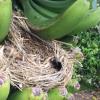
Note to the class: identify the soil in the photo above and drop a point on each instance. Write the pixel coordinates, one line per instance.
(87, 95)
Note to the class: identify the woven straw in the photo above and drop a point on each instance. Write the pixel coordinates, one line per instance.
(27, 58)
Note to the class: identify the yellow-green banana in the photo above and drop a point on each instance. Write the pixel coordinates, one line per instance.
(89, 20)
(5, 17)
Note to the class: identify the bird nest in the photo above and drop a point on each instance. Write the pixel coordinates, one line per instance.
(31, 61)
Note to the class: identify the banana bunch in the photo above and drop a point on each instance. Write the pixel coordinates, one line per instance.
(53, 19)
(5, 17)
(28, 94)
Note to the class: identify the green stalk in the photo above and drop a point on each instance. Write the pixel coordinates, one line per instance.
(67, 21)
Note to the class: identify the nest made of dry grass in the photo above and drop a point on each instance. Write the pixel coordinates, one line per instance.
(27, 58)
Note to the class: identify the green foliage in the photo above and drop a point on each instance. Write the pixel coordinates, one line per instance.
(89, 42)
(73, 86)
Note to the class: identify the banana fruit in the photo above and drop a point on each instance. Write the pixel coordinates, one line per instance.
(45, 12)
(55, 25)
(55, 19)
(35, 19)
(5, 17)
(57, 6)
(50, 24)
(67, 21)
(89, 20)
(4, 87)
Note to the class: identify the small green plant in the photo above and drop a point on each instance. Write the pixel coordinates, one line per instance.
(89, 42)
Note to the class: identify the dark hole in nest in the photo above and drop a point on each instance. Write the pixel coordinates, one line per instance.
(56, 63)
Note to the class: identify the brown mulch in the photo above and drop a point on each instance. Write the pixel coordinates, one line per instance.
(87, 95)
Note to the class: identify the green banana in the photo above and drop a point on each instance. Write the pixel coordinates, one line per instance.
(34, 18)
(5, 17)
(65, 23)
(55, 5)
(38, 16)
(55, 94)
(58, 26)
(27, 94)
(4, 87)
(42, 11)
(91, 19)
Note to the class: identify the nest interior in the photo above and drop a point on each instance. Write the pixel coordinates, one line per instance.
(31, 61)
